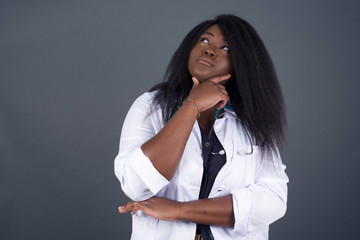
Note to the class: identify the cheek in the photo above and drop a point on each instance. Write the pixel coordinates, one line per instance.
(190, 60)
(226, 67)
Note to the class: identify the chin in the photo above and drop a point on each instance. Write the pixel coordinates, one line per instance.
(202, 77)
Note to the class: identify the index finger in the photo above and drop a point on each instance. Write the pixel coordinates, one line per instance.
(221, 78)
(127, 207)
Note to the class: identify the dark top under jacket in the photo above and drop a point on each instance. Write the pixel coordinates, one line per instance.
(213, 162)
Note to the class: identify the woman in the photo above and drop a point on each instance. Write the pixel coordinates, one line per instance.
(199, 152)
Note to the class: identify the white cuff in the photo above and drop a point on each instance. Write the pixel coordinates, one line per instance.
(142, 165)
(242, 207)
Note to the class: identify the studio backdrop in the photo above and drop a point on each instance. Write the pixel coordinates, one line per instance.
(69, 71)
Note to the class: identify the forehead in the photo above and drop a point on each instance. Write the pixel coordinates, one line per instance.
(214, 31)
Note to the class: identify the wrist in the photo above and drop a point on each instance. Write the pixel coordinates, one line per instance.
(193, 104)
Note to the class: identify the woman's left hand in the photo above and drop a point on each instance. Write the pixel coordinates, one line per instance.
(157, 207)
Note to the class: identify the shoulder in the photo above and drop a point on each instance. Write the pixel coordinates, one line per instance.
(146, 97)
(144, 107)
(144, 101)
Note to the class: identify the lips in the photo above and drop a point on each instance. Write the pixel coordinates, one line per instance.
(205, 61)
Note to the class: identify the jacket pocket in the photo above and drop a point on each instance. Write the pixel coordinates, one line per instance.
(143, 227)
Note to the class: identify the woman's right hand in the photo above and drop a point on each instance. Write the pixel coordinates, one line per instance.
(210, 92)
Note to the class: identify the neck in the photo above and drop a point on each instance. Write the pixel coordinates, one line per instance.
(206, 119)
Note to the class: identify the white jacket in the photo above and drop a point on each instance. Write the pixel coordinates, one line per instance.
(258, 187)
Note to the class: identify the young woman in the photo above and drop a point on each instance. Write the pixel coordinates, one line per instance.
(199, 153)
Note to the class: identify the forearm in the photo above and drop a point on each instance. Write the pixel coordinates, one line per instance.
(211, 211)
(165, 149)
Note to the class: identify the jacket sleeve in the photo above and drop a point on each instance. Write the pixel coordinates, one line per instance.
(264, 201)
(138, 177)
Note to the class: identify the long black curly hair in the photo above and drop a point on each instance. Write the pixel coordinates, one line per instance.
(253, 89)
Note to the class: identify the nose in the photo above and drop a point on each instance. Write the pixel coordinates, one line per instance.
(209, 52)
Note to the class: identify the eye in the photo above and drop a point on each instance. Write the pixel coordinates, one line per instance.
(226, 48)
(204, 40)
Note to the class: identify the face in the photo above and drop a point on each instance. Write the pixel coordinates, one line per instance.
(210, 56)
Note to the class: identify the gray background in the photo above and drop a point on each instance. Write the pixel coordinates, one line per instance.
(69, 71)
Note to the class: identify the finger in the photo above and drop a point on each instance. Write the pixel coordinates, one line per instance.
(136, 208)
(222, 81)
(223, 90)
(134, 211)
(121, 209)
(127, 207)
(220, 86)
(221, 78)
(195, 82)
(222, 103)
(224, 93)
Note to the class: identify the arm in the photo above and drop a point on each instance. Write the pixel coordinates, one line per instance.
(245, 210)
(148, 155)
(211, 211)
(165, 149)
(264, 201)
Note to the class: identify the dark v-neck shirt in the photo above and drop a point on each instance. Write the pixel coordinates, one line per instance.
(212, 163)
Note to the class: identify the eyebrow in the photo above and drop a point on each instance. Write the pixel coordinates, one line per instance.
(211, 34)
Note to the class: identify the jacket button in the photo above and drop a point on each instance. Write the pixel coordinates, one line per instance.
(242, 152)
(207, 144)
